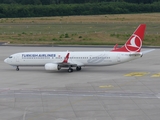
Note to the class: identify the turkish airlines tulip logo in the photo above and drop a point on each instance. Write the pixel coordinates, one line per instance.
(134, 44)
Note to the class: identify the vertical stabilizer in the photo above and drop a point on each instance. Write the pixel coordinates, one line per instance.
(134, 43)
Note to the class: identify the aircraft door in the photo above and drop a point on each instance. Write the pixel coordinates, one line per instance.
(17, 58)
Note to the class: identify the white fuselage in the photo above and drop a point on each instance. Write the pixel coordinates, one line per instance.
(97, 58)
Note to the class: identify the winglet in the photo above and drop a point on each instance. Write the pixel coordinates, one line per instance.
(115, 47)
(66, 58)
(134, 43)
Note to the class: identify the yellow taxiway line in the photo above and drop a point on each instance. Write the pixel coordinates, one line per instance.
(156, 75)
(137, 74)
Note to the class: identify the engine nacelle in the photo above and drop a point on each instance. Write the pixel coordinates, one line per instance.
(52, 66)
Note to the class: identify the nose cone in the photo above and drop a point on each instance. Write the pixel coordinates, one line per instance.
(6, 60)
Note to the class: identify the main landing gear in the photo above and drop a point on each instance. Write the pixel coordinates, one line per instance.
(17, 68)
(78, 68)
(70, 70)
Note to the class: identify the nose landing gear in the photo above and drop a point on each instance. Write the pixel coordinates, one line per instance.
(17, 68)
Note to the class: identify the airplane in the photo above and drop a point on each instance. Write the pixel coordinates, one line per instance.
(56, 60)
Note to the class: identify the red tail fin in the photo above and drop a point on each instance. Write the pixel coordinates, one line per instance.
(134, 43)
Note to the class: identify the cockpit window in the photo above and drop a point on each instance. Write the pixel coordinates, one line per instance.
(10, 56)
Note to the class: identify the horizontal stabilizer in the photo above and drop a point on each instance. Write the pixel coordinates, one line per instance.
(147, 51)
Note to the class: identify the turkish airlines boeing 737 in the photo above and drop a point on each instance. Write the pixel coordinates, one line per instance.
(57, 60)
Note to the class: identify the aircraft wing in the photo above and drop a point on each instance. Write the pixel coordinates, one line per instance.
(65, 63)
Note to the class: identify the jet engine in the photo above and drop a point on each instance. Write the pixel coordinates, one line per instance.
(52, 66)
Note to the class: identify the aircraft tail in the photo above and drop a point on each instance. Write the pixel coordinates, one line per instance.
(134, 43)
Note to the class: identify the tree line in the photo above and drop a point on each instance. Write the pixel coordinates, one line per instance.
(18, 10)
(48, 2)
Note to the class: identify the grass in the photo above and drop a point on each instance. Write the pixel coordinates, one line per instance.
(79, 30)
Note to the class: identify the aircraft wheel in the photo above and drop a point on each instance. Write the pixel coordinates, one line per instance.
(17, 68)
(78, 68)
(70, 70)
(59, 67)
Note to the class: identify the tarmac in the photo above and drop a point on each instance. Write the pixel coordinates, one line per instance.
(128, 91)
